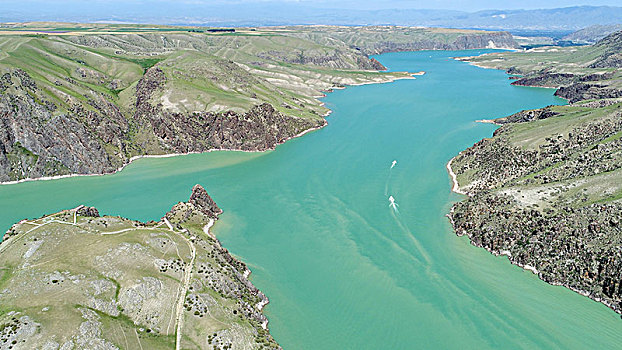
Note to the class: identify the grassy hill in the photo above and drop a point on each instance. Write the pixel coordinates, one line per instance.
(75, 279)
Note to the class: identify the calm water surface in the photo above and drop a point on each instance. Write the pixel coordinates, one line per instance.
(312, 220)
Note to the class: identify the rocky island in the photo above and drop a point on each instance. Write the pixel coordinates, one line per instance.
(76, 279)
(546, 189)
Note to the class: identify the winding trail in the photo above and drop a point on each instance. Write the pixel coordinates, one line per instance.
(179, 314)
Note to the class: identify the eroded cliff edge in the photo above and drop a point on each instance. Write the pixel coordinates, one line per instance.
(36, 141)
(546, 191)
(77, 279)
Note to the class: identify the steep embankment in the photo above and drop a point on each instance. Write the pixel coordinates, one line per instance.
(380, 39)
(546, 189)
(108, 282)
(87, 104)
(579, 73)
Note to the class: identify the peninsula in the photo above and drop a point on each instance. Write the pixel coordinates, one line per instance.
(76, 279)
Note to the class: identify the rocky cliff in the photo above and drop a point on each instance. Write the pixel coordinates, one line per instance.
(545, 191)
(111, 283)
(579, 73)
(491, 40)
(87, 104)
(36, 139)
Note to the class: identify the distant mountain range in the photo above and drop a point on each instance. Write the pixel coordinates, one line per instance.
(272, 13)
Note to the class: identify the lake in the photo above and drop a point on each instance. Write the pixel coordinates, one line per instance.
(312, 219)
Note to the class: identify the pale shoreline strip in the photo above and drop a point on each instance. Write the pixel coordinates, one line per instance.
(57, 177)
(455, 187)
(207, 227)
(488, 121)
(168, 155)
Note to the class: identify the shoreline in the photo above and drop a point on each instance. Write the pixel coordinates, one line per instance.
(167, 155)
(488, 121)
(456, 189)
(533, 269)
(454, 179)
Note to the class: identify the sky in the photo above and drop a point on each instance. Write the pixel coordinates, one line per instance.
(461, 5)
(344, 12)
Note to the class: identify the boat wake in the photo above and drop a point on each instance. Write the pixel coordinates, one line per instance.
(395, 213)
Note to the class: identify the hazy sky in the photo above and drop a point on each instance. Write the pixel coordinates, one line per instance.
(463, 5)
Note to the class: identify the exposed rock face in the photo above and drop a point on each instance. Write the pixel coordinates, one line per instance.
(204, 202)
(612, 58)
(377, 65)
(546, 80)
(37, 141)
(575, 247)
(464, 42)
(87, 211)
(527, 116)
(550, 208)
(583, 91)
(259, 129)
(572, 87)
(162, 93)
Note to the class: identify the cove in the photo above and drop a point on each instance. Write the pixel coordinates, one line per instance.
(342, 269)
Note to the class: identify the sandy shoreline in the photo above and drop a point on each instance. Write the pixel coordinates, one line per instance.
(168, 155)
(488, 121)
(455, 187)
(57, 177)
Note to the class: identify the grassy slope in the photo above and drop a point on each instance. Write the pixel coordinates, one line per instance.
(566, 60)
(115, 63)
(101, 264)
(285, 66)
(567, 189)
(533, 135)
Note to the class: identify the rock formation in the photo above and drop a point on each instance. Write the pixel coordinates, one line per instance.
(200, 199)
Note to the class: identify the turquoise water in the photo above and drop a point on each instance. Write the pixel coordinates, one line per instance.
(312, 220)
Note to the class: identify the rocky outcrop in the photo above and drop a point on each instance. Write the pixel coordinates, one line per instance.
(37, 140)
(585, 91)
(201, 199)
(259, 129)
(87, 211)
(169, 284)
(546, 80)
(575, 247)
(496, 162)
(525, 202)
(528, 115)
(572, 87)
(612, 57)
(89, 119)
